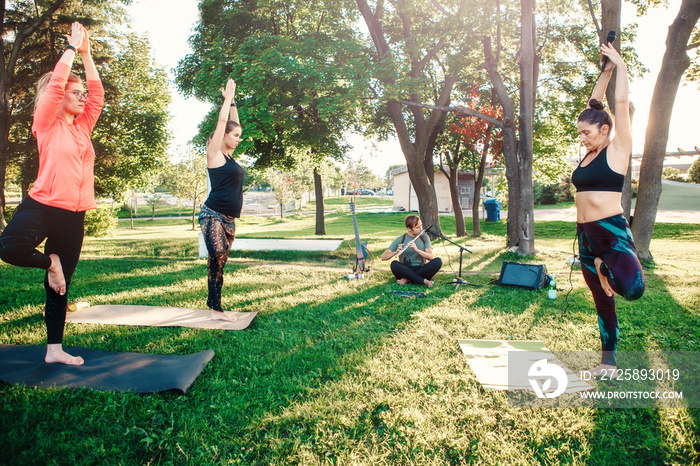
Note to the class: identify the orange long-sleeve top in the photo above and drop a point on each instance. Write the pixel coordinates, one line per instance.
(66, 177)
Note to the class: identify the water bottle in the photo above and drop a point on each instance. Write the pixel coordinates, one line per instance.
(75, 306)
(552, 294)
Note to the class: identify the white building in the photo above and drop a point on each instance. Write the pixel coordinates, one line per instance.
(405, 196)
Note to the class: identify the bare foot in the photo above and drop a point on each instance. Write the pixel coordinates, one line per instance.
(605, 371)
(221, 315)
(603, 279)
(428, 283)
(57, 281)
(402, 281)
(55, 353)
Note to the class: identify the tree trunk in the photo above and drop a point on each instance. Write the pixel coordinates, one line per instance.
(194, 211)
(415, 143)
(453, 180)
(4, 143)
(627, 187)
(673, 65)
(528, 70)
(610, 20)
(7, 72)
(415, 163)
(510, 141)
(478, 182)
(320, 219)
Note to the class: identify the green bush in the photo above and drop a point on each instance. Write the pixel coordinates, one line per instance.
(9, 212)
(694, 172)
(549, 194)
(635, 187)
(100, 222)
(673, 174)
(568, 192)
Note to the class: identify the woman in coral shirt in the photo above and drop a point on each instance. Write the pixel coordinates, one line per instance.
(64, 116)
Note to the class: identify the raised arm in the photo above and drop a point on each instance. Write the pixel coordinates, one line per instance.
(621, 145)
(93, 106)
(233, 111)
(600, 86)
(75, 41)
(214, 156)
(50, 100)
(91, 73)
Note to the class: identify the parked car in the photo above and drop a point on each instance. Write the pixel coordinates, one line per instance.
(361, 192)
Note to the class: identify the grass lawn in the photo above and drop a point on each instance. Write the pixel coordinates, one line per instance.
(336, 371)
(678, 196)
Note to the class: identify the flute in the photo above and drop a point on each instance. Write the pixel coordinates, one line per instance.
(408, 245)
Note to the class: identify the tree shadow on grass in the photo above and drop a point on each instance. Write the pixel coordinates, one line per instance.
(660, 436)
(292, 349)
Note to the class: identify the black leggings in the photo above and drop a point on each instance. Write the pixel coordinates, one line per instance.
(416, 273)
(63, 231)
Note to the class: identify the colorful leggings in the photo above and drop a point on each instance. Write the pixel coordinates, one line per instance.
(219, 231)
(611, 240)
(63, 230)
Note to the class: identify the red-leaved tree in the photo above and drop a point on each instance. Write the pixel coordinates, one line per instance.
(478, 139)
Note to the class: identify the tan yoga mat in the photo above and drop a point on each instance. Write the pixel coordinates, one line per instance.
(489, 361)
(157, 316)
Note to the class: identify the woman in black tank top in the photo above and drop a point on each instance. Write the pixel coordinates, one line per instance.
(225, 200)
(608, 258)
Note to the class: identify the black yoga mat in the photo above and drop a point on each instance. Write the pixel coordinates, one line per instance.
(116, 372)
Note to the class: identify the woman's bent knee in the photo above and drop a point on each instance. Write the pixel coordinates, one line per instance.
(14, 255)
(634, 292)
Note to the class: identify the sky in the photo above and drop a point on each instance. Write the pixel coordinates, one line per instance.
(169, 29)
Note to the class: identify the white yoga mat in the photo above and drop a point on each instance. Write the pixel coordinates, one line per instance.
(157, 316)
(266, 244)
(489, 361)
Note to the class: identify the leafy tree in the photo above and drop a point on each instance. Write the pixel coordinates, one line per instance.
(518, 144)
(290, 61)
(190, 178)
(281, 183)
(301, 180)
(358, 175)
(32, 44)
(479, 139)
(131, 136)
(420, 50)
(674, 64)
(134, 118)
(388, 179)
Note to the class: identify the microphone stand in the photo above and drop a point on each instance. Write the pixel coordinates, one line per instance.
(458, 280)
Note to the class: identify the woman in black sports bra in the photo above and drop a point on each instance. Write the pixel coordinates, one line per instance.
(607, 253)
(223, 206)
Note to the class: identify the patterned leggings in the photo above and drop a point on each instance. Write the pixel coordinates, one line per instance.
(611, 240)
(219, 232)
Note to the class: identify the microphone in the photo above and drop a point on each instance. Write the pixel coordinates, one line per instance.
(609, 40)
